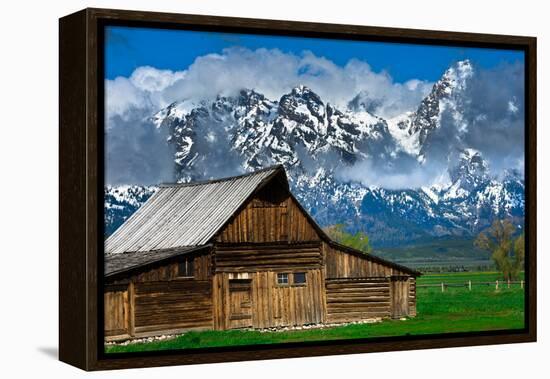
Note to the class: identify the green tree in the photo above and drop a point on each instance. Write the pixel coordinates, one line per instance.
(359, 240)
(507, 252)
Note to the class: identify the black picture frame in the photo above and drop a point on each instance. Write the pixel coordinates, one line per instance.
(81, 141)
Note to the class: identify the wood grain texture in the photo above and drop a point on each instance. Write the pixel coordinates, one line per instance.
(271, 304)
(399, 296)
(156, 300)
(169, 271)
(271, 216)
(261, 257)
(117, 312)
(358, 299)
(340, 264)
(161, 306)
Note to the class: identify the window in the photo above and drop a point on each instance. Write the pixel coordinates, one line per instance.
(186, 268)
(299, 278)
(282, 278)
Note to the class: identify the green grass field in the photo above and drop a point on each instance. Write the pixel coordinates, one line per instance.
(455, 310)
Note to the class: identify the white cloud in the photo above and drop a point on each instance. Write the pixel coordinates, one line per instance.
(144, 90)
(512, 107)
(130, 101)
(121, 96)
(494, 113)
(268, 71)
(402, 174)
(150, 79)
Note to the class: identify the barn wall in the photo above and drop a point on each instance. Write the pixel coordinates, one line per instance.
(201, 264)
(264, 303)
(271, 216)
(357, 299)
(156, 301)
(173, 305)
(399, 292)
(341, 264)
(258, 257)
(358, 287)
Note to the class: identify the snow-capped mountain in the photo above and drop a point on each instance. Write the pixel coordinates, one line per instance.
(256, 132)
(317, 141)
(461, 207)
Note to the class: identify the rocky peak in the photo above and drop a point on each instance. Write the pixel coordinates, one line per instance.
(456, 76)
(447, 95)
(471, 169)
(250, 98)
(453, 81)
(302, 103)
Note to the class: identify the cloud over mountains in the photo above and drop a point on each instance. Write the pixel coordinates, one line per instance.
(487, 115)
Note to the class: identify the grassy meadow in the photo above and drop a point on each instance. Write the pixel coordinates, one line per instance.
(455, 310)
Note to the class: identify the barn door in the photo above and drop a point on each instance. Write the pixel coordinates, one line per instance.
(399, 297)
(240, 303)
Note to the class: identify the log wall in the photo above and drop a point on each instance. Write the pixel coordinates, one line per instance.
(173, 305)
(341, 264)
(357, 299)
(264, 257)
(165, 272)
(157, 301)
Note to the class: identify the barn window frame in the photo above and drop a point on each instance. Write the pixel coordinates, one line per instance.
(281, 281)
(301, 283)
(186, 268)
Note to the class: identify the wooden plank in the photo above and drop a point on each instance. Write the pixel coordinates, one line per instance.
(157, 305)
(131, 309)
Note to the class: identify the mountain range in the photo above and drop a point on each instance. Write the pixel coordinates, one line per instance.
(336, 156)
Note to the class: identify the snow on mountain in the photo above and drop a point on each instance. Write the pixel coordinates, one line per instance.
(121, 201)
(316, 141)
(413, 129)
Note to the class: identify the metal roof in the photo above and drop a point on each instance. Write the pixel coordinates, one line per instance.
(183, 215)
(117, 263)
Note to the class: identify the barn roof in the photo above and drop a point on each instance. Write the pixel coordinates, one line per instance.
(186, 215)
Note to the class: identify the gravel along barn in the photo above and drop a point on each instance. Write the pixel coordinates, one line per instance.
(240, 252)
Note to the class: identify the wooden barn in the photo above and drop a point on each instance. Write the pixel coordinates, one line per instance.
(240, 252)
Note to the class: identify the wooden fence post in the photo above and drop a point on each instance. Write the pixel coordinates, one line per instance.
(508, 283)
(496, 286)
(470, 285)
(521, 284)
(442, 287)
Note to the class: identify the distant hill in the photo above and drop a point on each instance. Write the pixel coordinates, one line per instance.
(439, 254)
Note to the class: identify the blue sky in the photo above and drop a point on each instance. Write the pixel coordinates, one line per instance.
(128, 48)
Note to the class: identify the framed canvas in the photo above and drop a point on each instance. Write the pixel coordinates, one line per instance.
(239, 189)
